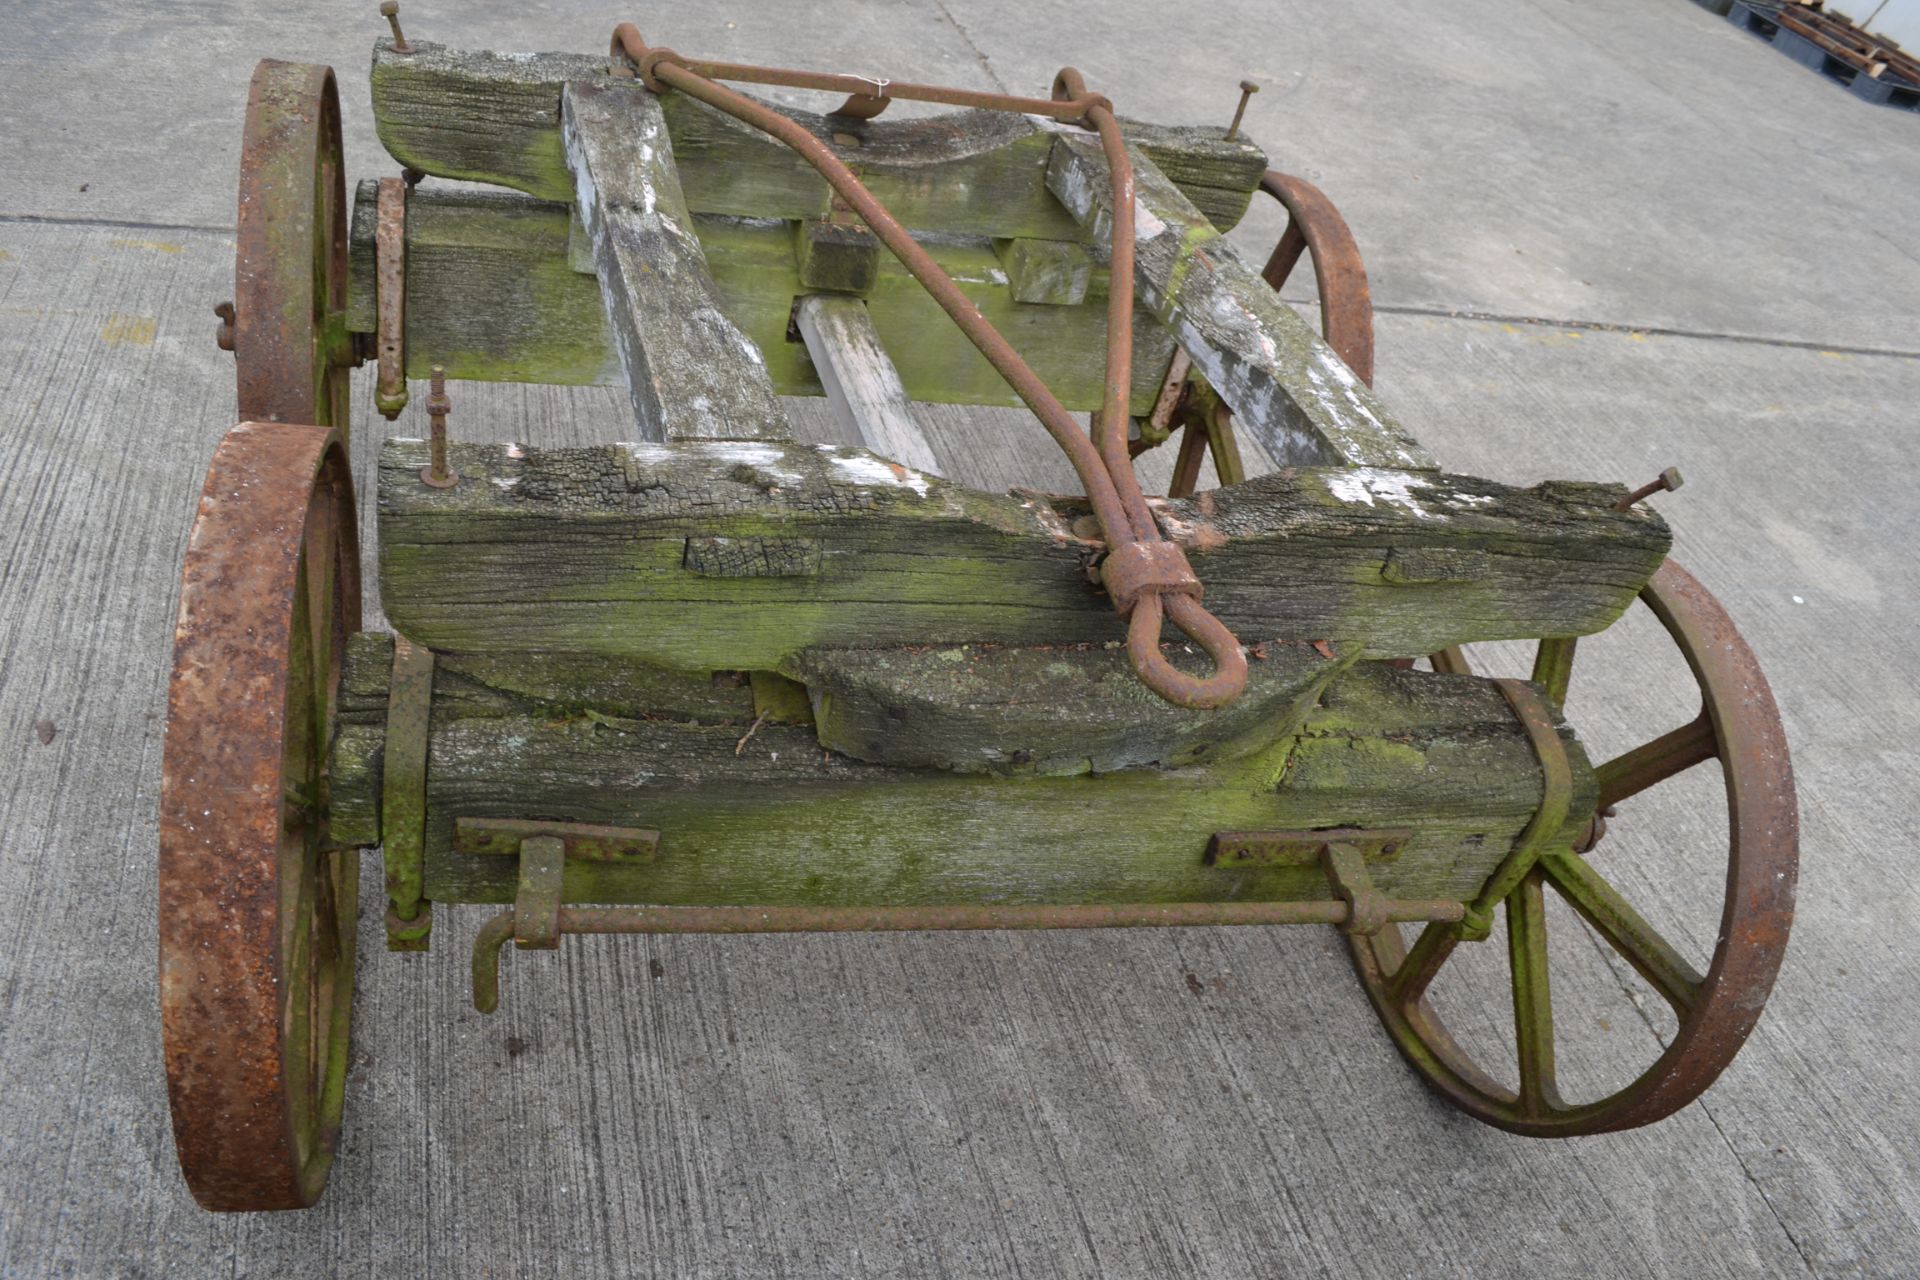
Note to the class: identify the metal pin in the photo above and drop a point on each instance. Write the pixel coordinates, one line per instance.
(1669, 480)
(439, 475)
(390, 10)
(1247, 89)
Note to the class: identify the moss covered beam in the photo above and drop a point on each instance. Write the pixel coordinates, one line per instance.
(488, 117)
(773, 818)
(1284, 384)
(491, 295)
(712, 556)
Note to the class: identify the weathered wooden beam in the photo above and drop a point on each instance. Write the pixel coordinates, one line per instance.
(714, 556)
(860, 381)
(690, 372)
(773, 818)
(1045, 710)
(1284, 383)
(490, 295)
(489, 117)
(1054, 272)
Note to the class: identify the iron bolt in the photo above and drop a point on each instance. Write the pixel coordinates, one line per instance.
(390, 10)
(439, 475)
(1247, 89)
(223, 336)
(1668, 480)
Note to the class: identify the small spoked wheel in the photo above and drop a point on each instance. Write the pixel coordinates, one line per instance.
(292, 350)
(256, 910)
(1738, 725)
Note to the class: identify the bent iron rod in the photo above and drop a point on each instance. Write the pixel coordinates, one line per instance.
(1146, 576)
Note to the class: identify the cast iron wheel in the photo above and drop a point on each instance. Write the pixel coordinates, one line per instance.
(291, 346)
(256, 911)
(1739, 725)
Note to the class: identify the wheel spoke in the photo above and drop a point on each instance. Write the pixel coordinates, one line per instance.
(1292, 244)
(1654, 762)
(1601, 905)
(1532, 1001)
(1422, 964)
(1553, 667)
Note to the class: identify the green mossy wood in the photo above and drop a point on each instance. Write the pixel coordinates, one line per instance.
(495, 118)
(359, 740)
(493, 296)
(1045, 710)
(718, 556)
(774, 818)
(1284, 384)
(690, 372)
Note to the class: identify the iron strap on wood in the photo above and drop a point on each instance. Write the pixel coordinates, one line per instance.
(1149, 578)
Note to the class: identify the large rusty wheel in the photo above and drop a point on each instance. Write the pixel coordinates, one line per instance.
(256, 911)
(1739, 725)
(289, 334)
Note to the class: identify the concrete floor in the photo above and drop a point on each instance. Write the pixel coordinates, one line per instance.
(1602, 239)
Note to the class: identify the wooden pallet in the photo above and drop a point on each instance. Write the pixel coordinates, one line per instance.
(1872, 69)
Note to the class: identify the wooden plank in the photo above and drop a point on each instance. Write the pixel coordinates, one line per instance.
(495, 118)
(493, 296)
(773, 818)
(860, 380)
(1284, 383)
(725, 556)
(691, 373)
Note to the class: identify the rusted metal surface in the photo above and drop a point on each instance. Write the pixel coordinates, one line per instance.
(1229, 849)
(795, 919)
(1104, 466)
(291, 348)
(582, 841)
(628, 42)
(536, 907)
(1717, 1010)
(390, 10)
(390, 296)
(403, 782)
(1346, 300)
(437, 473)
(256, 916)
(1666, 482)
(1247, 89)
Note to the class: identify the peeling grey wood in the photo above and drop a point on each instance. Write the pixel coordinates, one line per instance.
(723, 556)
(692, 374)
(1284, 382)
(860, 380)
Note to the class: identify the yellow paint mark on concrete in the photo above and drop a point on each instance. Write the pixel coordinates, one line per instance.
(132, 331)
(1836, 355)
(1511, 328)
(4, 255)
(157, 246)
(1636, 337)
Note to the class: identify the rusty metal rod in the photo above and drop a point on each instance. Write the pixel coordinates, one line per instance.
(791, 919)
(1105, 469)
(875, 87)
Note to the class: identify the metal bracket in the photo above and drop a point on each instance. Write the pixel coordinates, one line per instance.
(403, 795)
(544, 849)
(390, 296)
(1303, 848)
